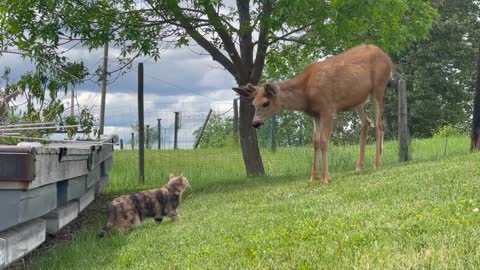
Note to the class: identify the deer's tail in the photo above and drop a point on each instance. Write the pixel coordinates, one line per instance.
(391, 81)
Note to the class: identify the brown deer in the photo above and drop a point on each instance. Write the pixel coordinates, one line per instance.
(340, 83)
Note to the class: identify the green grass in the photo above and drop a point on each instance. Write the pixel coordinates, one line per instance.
(206, 165)
(422, 214)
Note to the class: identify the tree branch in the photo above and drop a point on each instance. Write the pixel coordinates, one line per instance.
(299, 41)
(245, 33)
(222, 32)
(262, 43)
(12, 95)
(184, 22)
(125, 64)
(285, 36)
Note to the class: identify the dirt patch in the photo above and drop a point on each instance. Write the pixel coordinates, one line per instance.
(87, 217)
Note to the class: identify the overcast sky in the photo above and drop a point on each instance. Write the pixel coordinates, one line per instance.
(181, 80)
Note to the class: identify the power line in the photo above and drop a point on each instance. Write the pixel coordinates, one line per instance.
(181, 88)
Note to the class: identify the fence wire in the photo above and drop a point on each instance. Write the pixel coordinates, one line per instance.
(284, 141)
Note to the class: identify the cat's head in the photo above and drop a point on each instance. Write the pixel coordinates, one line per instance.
(179, 182)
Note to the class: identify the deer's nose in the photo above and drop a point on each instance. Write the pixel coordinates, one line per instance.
(257, 124)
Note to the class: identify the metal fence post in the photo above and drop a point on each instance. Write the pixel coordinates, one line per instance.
(272, 134)
(200, 135)
(175, 138)
(147, 145)
(235, 121)
(141, 130)
(133, 141)
(159, 131)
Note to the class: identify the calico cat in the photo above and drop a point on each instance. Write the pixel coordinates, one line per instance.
(128, 211)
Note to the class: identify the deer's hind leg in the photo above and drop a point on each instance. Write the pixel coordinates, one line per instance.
(365, 122)
(379, 128)
(325, 130)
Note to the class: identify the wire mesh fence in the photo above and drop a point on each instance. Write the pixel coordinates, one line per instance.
(284, 141)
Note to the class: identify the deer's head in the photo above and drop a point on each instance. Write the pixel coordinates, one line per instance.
(265, 101)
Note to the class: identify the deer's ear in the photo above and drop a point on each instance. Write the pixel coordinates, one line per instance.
(247, 91)
(241, 91)
(271, 89)
(251, 88)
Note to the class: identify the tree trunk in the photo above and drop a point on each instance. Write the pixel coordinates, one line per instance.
(248, 140)
(475, 139)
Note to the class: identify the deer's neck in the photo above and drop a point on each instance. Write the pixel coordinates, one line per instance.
(292, 95)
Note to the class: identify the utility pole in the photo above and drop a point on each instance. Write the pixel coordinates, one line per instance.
(72, 102)
(104, 90)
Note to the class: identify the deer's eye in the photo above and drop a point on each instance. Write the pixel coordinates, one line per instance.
(266, 104)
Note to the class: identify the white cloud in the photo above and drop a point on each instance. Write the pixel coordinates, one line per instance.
(186, 80)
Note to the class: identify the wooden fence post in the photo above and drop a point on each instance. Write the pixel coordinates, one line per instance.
(403, 136)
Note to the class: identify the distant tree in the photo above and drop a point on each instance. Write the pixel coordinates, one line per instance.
(218, 133)
(151, 132)
(440, 71)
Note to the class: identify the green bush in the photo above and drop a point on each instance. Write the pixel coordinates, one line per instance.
(449, 131)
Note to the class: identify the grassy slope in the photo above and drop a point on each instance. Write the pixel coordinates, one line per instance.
(422, 214)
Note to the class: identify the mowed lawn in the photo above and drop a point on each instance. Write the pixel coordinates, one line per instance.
(422, 214)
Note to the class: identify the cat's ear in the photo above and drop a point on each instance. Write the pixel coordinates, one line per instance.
(181, 175)
(171, 176)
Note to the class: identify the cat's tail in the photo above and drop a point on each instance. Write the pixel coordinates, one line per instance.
(110, 222)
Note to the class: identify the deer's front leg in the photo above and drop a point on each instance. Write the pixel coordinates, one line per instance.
(316, 149)
(325, 129)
